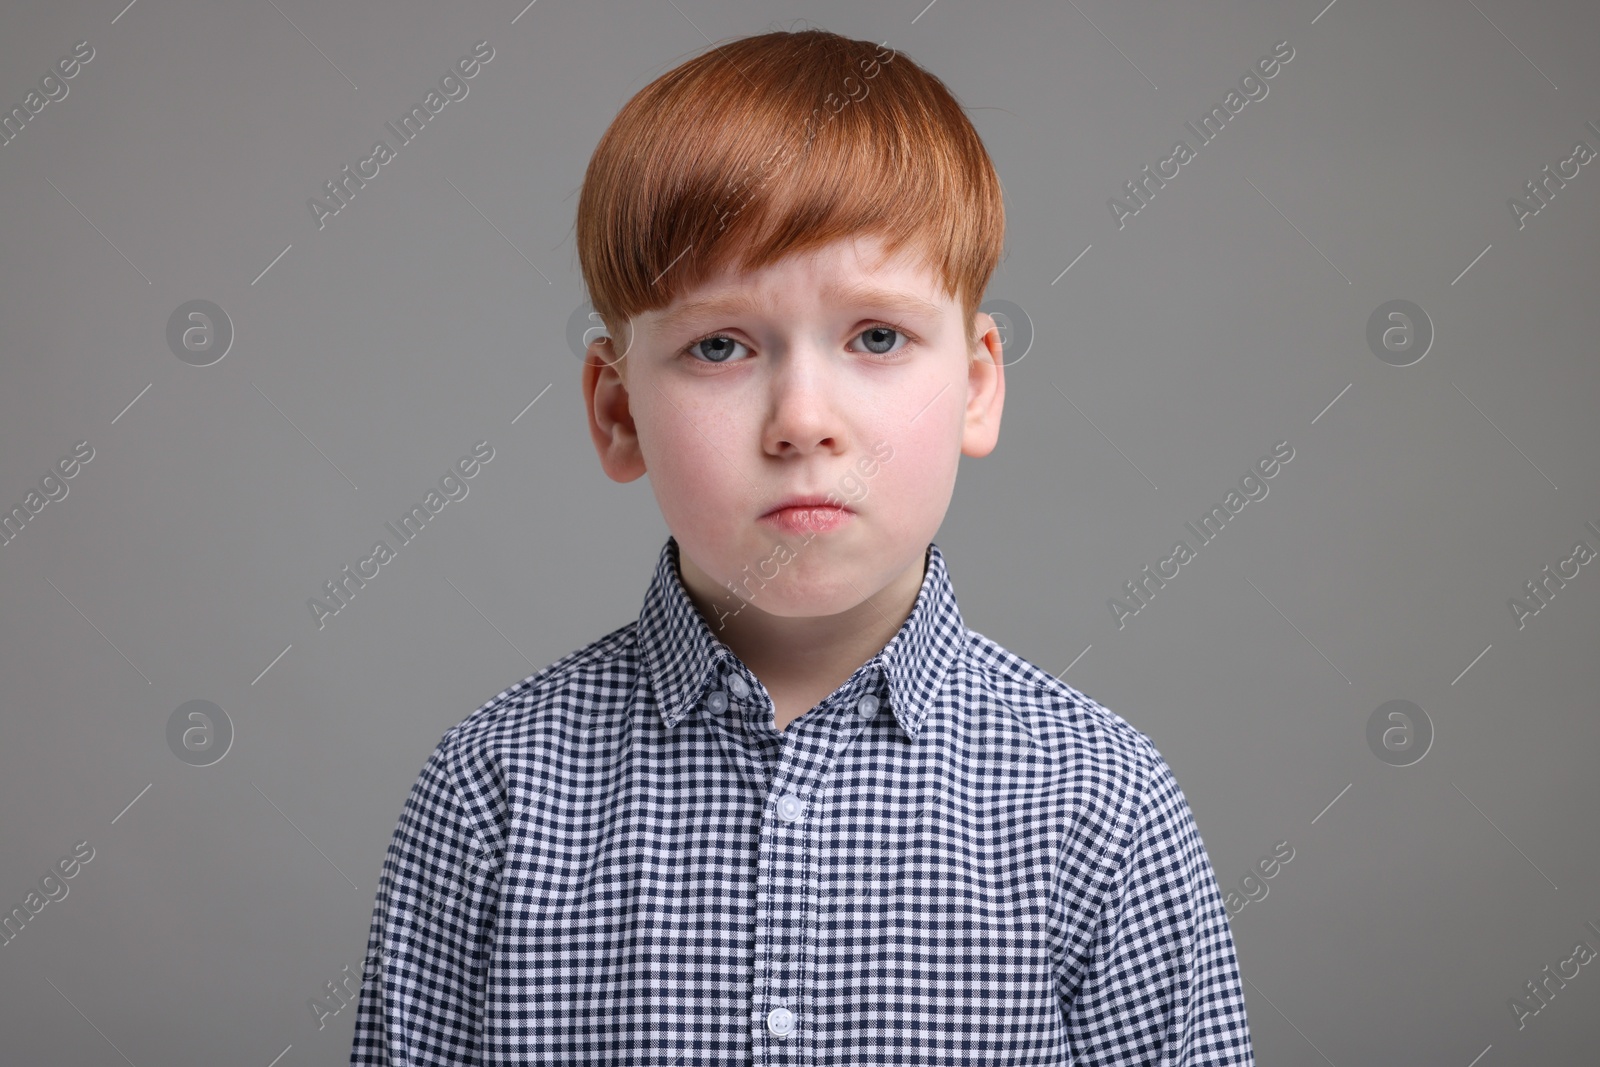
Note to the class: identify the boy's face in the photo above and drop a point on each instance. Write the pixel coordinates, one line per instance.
(797, 391)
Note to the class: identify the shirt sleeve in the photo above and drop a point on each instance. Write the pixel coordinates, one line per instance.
(1162, 985)
(432, 927)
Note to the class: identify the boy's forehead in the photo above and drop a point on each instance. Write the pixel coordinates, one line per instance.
(852, 271)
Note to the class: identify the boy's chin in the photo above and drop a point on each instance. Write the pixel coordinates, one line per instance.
(816, 579)
(792, 601)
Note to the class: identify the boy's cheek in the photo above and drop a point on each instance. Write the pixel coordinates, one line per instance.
(852, 489)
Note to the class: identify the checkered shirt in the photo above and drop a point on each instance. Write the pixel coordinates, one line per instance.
(954, 859)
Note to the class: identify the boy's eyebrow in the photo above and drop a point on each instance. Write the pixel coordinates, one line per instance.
(889, 299)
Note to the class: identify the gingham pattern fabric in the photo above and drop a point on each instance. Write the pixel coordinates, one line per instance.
(953, 859)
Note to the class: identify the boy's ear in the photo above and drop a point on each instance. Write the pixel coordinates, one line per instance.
(986, 390)
(605, 396)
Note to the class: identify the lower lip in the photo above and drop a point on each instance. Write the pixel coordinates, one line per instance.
(808, 520)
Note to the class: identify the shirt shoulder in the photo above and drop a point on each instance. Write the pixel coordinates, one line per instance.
(602, 672)
(517, 733)
(1106, 772)
(1077, 732)
(1133, 888)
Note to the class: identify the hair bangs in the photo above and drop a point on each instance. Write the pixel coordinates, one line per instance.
(780, 144)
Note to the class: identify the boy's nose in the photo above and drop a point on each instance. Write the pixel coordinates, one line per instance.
(803, 411)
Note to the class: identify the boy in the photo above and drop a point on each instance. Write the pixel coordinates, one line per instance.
(797, 812)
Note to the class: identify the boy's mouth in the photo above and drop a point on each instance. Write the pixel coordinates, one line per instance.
(808, 514)
(807, 500)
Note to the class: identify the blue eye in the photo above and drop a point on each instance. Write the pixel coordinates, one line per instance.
(886, 342)
(879, 340)
(723, 353)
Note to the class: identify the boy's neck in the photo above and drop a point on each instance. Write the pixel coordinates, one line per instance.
(802, 659)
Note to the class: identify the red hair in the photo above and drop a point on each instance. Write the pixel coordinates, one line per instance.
(781, 143)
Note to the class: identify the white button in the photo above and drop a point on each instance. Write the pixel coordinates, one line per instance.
(781, 1021)
(867, 706)
(717, 701)
(789, 807)
(740, 687)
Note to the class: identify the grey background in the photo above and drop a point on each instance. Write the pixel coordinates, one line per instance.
(1228, 315)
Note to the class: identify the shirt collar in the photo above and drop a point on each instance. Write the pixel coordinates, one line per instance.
(684, 659)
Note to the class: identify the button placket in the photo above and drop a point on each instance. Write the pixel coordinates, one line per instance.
(786, 925)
